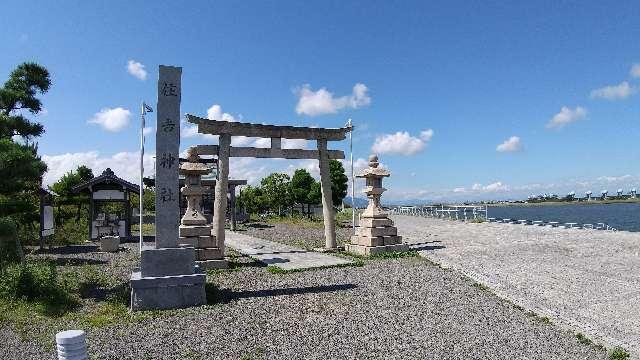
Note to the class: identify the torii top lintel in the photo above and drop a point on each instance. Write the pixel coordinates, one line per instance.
(215, 127)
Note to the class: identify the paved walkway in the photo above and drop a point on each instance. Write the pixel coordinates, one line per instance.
(280, 255)
(587, 280)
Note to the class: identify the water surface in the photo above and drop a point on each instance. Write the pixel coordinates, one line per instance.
(620, 216)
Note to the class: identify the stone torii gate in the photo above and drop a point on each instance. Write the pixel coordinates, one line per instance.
(224, 151)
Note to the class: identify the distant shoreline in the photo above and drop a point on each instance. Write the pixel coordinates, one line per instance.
(560, 203)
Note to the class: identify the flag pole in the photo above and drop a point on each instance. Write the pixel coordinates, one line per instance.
(141, 194)
(353, 201)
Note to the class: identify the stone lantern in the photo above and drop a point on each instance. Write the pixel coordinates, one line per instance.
(194, 230)
(375, 232)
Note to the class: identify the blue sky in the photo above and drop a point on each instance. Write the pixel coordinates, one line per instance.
(439, 86)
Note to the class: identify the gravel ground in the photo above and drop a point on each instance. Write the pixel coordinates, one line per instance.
(387, 309)
(308, 237)
(587, 280)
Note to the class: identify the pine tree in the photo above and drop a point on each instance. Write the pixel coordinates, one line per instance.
(21, 169)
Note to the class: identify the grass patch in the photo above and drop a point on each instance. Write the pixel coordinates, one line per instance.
(191, 354)
(255, 354)
(395, 255)
(147, 229)
(37, 285)
(480, 286)
(379, 256)
(619, 353)
(302, 221)
(539, 318)
(233, 266)
(582, 339)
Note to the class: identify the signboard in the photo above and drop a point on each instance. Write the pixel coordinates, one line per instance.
(108, 195)
(47, 220)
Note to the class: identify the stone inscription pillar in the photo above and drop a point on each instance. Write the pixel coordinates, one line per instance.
(220, 201)
(167, 153)
(327, 202)
(232, 207)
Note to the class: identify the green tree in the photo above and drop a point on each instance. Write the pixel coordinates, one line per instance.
(21, 169)
(148, 199)
(275, 189)
(315, 195)
(64, 188)
(252, 199)
(19, 93)
(300, 187)
(338, 182)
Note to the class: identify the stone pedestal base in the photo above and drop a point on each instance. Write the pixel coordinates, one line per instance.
(168, 278)
(167, 261)
(371, 250)
(213, 264)
(207, 254)
(375, 235)
(109, 243)
(167, 292)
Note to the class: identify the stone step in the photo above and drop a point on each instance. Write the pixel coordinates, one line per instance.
(212, 253)
(193, 230)
(377, 231)
(198, 241)
(376, 241)
(370, 222)
(370, 250)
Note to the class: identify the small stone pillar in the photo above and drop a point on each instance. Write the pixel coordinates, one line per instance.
(194, 231)
(71, 345)
(375, 232)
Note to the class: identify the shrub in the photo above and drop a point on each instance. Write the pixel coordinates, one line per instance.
(36, 282)
(618, 353)
(8, 233)
(71, 232)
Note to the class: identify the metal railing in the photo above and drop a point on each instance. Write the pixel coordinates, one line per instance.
(480, 212)
(451, 212)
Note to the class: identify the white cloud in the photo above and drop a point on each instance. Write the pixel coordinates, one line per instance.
(495, 187)
(215, 113)
(294, 144)
(614, 92)
(322, 101)
(401, 143)
(136, 69)
(189, 130)
(124, 164)
(635, 71)
(479, 188)
(566, 116)
(111, 119)
(512, 144)
(615, 179)
(426, 135)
